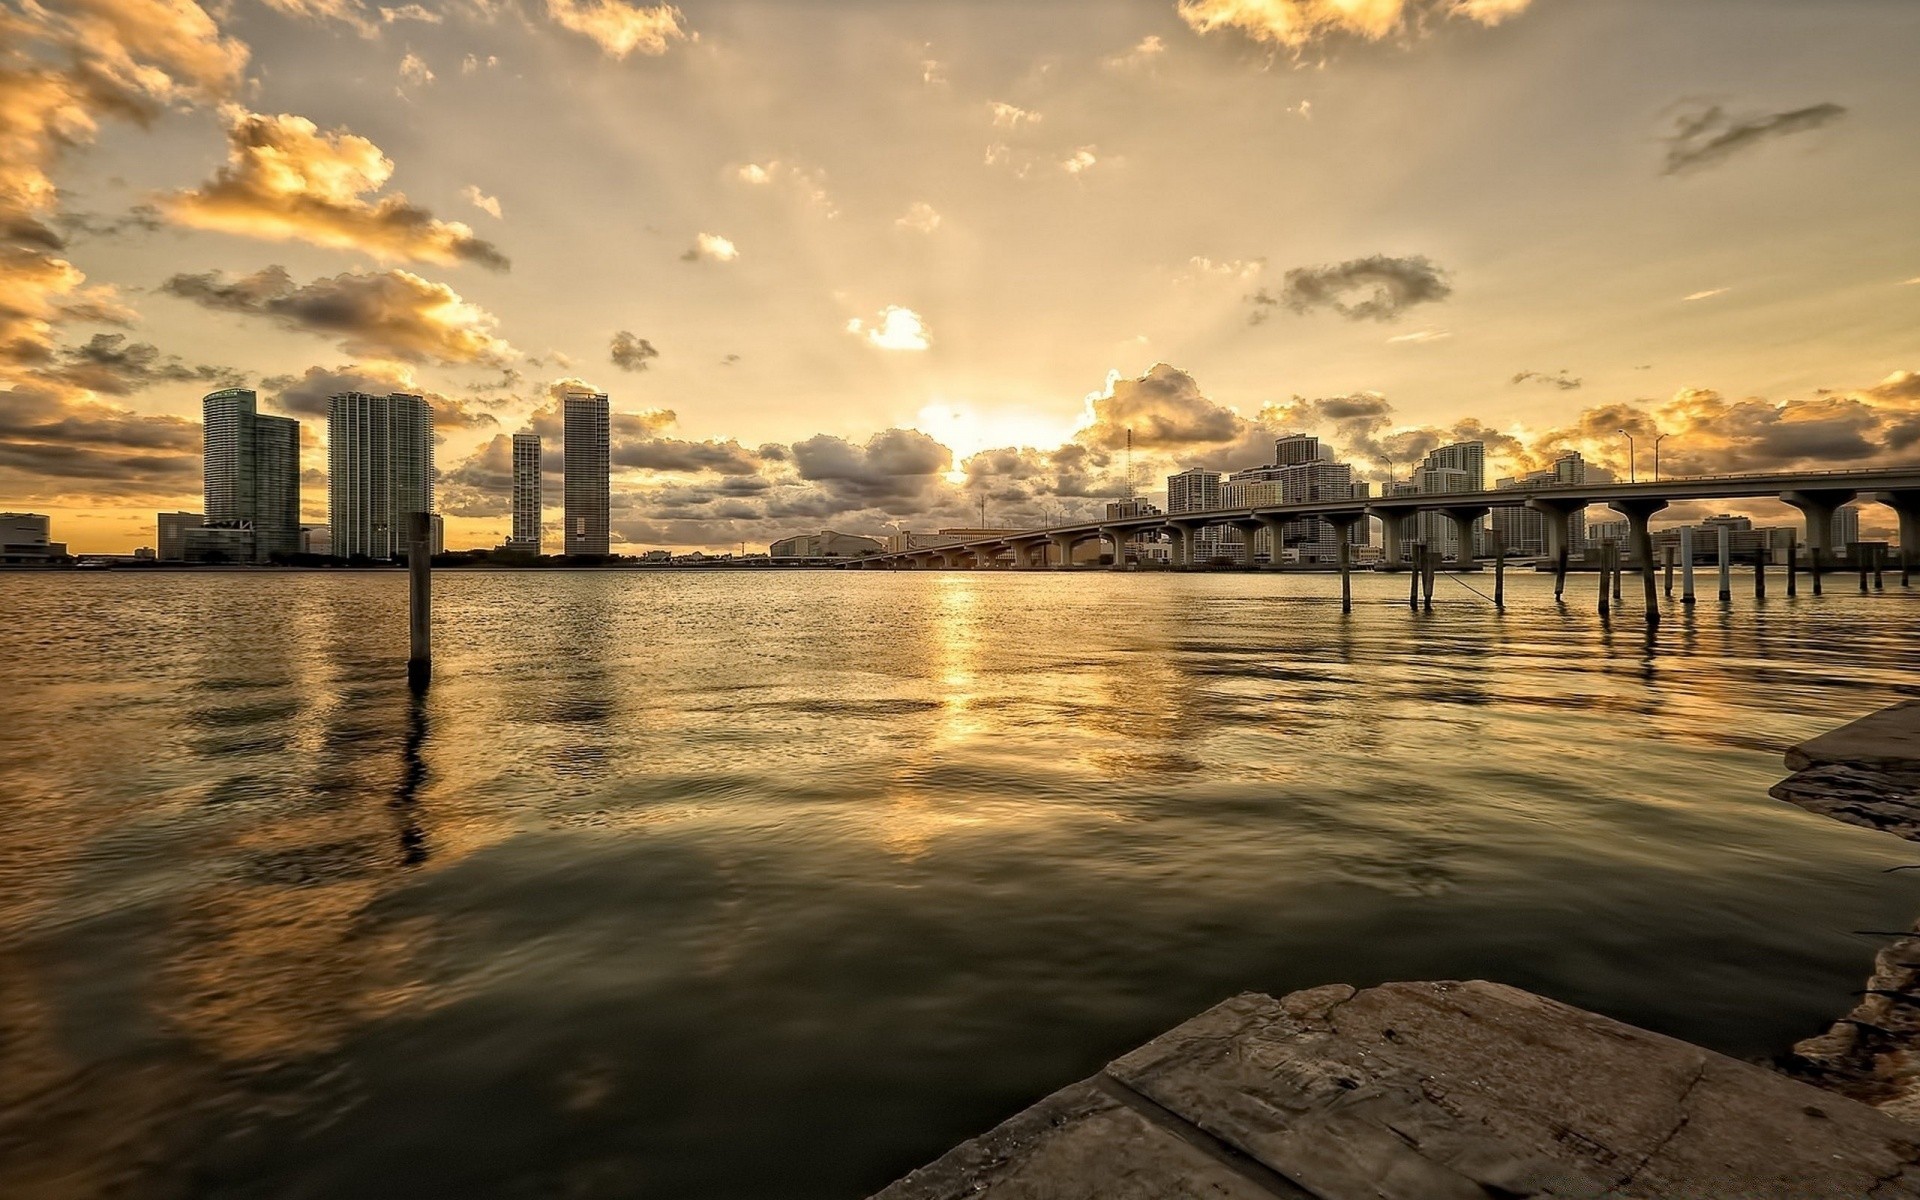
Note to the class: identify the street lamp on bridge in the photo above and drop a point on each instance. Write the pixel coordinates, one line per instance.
(1630, 466)
(1657, 439)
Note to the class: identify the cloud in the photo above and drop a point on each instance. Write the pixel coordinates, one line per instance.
(1080, 161)
(631, 353)
(410, 12)
(1709, 294)
(286, 180)
(306, 395)
(474, 62)
(895, 466)
(1378, 288)
(480, 200)
(1295, 24)
(59, 447)
(1703, 136)
(810, 184)
(414, 70)
(1165, 410)
(347, 12)
(1419, 337)
(711, 247)
(894, 328)
(619, 28)
(1145, 52)
(1561, 380)
(919, 217)
(393, 315)
(108, 363)
(1011, 116)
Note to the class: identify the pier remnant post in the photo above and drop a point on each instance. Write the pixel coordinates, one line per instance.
(1606, 582)
(1346, 573)
(1686, 565)
(1760, 573)
(419, 598)
(1413, 576)
(1859, 553)
(1427, 572)
(1727, 567)
(1793, 568)
(1560, 572)
(1666, 552)
(1879, 568)
(1499, 571)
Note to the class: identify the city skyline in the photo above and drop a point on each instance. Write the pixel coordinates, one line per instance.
(962, 271)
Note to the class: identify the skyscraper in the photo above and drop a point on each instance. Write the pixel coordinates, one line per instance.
(1460, 467)
(526, 493)
(587, 457)
(379, 469)
(252, 473)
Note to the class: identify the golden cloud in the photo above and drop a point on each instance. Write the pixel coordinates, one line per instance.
(1299, 23)
(618, 27)
(285, 179)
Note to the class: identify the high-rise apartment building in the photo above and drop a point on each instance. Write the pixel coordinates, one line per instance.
(1299, 475)
(587, 457)
(1195, 490)
(526, 494)
(379, 469)
(252, 471)
(1461, 467)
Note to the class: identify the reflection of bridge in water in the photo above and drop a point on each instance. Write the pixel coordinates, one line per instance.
(1817, 494)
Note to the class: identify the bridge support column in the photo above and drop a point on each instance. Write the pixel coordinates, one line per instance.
(1638, 514)
(1906, 506)
(1119, 539)
(1276, 531)
(1186, 537)
(1063, 544)
(1559, 524)
(1818, 507)
(1466, 523)
(1249, 530)
(1393, 536)
(1726, 566)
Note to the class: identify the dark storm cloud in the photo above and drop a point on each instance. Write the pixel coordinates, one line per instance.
(1561, 379)
(631, 353)
(110, 364)
(1377, 288)
(392, 315)
(1704, 136)
(902, 466)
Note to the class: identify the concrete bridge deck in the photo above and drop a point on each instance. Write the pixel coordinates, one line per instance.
(1815, 493)
(1428, 1091)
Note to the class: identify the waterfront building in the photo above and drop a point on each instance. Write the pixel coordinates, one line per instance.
(171, 539)
(27, 538)
(221, 542)
(526, 494)
(1523, 531)
(1301, 473)
(1197, 490)
(316, 539)
(1846, 528)
(587, 484)
(826, 544)
(252, 471)
(380, 468)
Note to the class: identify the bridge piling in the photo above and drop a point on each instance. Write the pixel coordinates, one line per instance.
(1666, 553)
(1346, 573)
(1686, 568)
(1814, 565)
(419, 599)
(1859, 552)
(1879, 567)
(1760, 573)
(1428, 569)
(1793, 570)
(1413, 576)
(1560, 573)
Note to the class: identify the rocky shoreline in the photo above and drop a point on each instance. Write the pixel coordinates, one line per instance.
(1867, 773)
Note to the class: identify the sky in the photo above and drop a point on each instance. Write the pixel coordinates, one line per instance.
(893, 263)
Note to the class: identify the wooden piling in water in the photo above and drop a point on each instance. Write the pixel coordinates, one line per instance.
(1426, 577)
(1793, 570)
(1879, 568)
(1606, 584)
(1666, 552)
(1413, 576)
(1499, 572)
(1859, 553)
(1726, 566)
(419, 598)
(1560, 573)
(1346, 571)
(1814, 565)
(1760, 573)
(1686, 567)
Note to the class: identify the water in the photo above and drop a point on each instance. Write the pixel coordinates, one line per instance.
(739, 885)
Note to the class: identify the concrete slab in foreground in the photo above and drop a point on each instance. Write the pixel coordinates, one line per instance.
(1866, 772)
(1427, 1091)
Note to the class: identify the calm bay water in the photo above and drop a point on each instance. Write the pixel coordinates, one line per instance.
(738, 885)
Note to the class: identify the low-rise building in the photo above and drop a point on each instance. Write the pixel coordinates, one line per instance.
(27, 538)
(171, 539)
(220, 542)
(825, 544)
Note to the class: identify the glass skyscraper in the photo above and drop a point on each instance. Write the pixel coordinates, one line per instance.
(252, 473)
(587, 456)
(379, 469)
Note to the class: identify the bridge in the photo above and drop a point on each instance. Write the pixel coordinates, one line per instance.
(1816, 494)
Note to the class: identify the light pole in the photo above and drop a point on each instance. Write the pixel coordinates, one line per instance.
(1630, 464)
(1657, 439)
(1389, 463)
